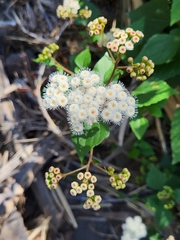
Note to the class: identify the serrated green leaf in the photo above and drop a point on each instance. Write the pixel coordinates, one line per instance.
(91, 138)
(151, 92)
(175, 16)
(155, 178)
(104, 67)
(83, 59)
(160, 48)
(175, 137)
(151, 18)
(139, 126)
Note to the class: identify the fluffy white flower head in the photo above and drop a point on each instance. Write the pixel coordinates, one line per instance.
(133, 229)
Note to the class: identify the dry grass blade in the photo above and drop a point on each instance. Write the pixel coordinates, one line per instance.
(66, 206)
(7, 170)
(33, 35)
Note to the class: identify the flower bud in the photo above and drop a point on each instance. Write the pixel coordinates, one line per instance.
(130, 60)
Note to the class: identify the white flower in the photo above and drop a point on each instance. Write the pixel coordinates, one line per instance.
(106, 115)
(62, 101)
(129, 45)
(84, 73)
(131, 111)
(131, 101)
(110, 94)
(64, 86)
(95, 78)
(75, 82)
(117, 117)
(92, 112)
(82, 114)
(73, 108)
(121, 95)
(133, 229)
(91, 91)
(116, 87)
(87, 82)
(77, 128)
(53, 103)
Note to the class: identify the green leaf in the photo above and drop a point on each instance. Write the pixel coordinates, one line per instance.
(144, 147)
(160, 48)
(155, 178)
(155, 110)
(139, 126)
(151, 18)
(177, 195)
(166, 70)
(104, 67)
(155, 237)
(175, 136)
(83, 59)
(91, 138)
(175, 16)
(151, 92)
(163, 217)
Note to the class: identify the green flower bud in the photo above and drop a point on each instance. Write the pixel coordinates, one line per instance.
(130, 60)
(144, 59)
(132, 74)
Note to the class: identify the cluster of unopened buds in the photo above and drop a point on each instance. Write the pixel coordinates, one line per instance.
(52, 177)
(142, 70)
(70, 9)
(96, 27)
(167, 196)
(47, 52)
(87, 181)
(124, 40)
(118, 180)
(87, 100)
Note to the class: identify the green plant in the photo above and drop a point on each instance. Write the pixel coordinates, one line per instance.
(155, 32)
(93, 99)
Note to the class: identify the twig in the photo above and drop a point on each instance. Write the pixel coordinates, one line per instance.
(161, 136)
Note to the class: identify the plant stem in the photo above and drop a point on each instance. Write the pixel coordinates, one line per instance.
(100, 168)
(115, 67)
(90, 160)
(60, 66)
(104, 41)
(77, 170)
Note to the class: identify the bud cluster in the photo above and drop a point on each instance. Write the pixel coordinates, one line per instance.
(52, 177)
(124, 40)
(167, 195)
(69, 9)
(47, 52)
(118, 180)
(142, 70)
(87, 181)
(85, 12)
(87, 100)
(96, 27)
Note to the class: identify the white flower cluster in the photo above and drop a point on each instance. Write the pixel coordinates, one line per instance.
(87, 100)
(133, 229)
(72, 5)
(69, 9)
